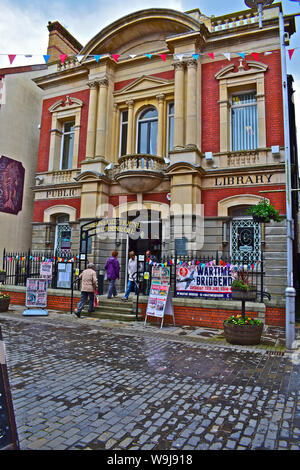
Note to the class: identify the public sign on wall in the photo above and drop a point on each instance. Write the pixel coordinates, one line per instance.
(36, 293)
(8, 430)
(11, 185)
(203, 281)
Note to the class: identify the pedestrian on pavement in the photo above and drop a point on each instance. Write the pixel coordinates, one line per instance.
(132, 274)
(112, 267)
(150, 260)
(88, 285)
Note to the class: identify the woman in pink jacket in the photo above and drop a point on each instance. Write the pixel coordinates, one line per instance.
(88, 285)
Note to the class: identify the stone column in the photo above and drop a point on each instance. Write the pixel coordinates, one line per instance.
(91, 130)
(115, 133)
(191, 104)
(179, 105)
(101, 117)
(130, 146)
(161, 126)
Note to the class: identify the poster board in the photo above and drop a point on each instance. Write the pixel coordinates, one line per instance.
(203, 281)
(36, 293)
(64, 275)
(8, 429)
(160, 299)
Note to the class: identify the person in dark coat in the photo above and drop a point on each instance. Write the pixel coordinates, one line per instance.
(112, 268)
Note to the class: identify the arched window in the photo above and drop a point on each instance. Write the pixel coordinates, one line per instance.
(147, 131)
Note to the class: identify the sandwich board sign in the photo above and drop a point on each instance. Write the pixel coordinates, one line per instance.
(36, 297)
(8, 430)
(160, 298)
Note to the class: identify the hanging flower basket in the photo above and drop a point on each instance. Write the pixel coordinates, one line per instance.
(264, 212)
(4, 302)
(246, 295)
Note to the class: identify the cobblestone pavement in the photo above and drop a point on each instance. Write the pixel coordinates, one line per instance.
(77, 384)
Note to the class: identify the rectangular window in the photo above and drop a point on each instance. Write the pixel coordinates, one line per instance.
(244, 121)
(170, 126)
(67, 145)
(123, 133)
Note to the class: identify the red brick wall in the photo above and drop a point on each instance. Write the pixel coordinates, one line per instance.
(275, 316)
(40, 206)
(195, 316)
(210, 97)
(53, 302)
(211, 197)
(44, 146)
(184, 315)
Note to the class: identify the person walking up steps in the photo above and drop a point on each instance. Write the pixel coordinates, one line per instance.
(88, 285)
(112, 268)
(132, 270)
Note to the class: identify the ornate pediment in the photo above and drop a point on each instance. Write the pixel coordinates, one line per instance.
(68, 103)
(145, 82)
(252, 67)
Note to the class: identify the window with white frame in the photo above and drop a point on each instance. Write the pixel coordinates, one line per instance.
(123, 133)
(67, 145)
(170, 126)
(147, 131)
(244, 121)
(245, 239)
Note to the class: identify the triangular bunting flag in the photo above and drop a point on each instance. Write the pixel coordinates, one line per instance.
(242, 54)
(97, 57)
(291, 52)
(195, 56)
(179, 56)
(46, 58)
(11, 58)
(227, 55)
(132, 56)
(148, 55)
(63, 58)
(79, 57)
(163, 56)
(115, 57)
(255, 55)
(267, 53)
(211, 55)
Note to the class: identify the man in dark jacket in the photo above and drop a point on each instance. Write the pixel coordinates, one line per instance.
(112, 268)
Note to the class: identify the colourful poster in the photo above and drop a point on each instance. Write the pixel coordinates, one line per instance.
(203, 281)
(36, 293)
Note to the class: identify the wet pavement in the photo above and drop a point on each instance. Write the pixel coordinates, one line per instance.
(92, 384)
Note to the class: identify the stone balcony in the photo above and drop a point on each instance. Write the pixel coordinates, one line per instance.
(139, 173)
(56, 177)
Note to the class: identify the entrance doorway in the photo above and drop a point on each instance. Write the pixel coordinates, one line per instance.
(150, 232)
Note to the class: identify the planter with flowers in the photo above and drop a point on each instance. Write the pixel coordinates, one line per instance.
(4, 302)
(241, 329)
(264, 212)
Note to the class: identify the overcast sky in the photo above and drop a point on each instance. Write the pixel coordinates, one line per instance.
(23, 24)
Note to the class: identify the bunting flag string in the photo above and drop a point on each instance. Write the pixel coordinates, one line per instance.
(79, 57)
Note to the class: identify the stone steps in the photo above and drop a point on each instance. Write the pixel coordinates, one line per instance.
(114, 309)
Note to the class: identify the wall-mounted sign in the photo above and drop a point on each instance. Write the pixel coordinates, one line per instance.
(243, 180)
(11, 185)
(63, 192)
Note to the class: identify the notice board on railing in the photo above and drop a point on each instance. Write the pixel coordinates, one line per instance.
(8, 429)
